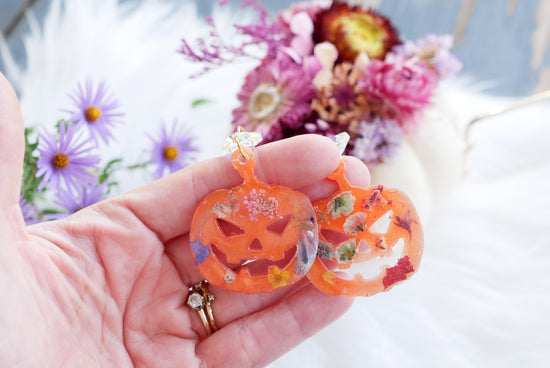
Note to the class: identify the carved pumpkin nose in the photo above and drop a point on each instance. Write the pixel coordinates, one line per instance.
(255, 245)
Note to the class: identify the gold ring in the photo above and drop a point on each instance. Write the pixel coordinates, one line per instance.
(201, 300)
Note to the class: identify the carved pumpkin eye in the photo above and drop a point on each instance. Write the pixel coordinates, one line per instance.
(382, 225)
(279, 226)
(333, 236)
(228, 229)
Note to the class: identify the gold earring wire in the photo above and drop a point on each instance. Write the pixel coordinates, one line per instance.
(240, 129)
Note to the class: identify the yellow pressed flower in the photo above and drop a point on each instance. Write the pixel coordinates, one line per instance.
(278, 278)
(329, 277)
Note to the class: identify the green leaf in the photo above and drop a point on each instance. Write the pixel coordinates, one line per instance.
(200, 101)
(29, 186)
(65, 123)
(108, 170)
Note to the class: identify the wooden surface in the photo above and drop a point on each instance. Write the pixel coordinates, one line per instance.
(504, 44)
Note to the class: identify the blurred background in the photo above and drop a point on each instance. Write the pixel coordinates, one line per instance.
(504, 44)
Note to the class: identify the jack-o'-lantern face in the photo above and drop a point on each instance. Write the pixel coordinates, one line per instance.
(255, 237)
(370, 239)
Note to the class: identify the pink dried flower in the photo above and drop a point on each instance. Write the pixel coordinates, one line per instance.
(213, 51)
(356, 223)
(311, 8)
(265, 31)
(301, 27)
(275, 95)
(398, 90)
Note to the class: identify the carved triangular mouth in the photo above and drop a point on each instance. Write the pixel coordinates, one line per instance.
(255, 267)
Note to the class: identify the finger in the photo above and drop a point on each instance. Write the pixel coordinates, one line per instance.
(357, 174)
(167, 205)
(228, 305)
(12, 145)
(262, 337)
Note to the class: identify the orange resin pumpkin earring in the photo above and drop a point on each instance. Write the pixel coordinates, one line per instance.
(370, 239)
(255, 237)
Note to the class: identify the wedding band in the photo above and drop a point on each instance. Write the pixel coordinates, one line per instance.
(201, 300)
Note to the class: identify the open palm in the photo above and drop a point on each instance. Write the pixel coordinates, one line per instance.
(107, 286)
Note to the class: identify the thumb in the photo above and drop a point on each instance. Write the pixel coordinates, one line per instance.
(12, 145)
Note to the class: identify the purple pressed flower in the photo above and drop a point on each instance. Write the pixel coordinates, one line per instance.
(173, 149)
(30, 211)
(275, 95)
(377, 141)
(95, 109)
(85, 196)
(65, 162)
(200, 250)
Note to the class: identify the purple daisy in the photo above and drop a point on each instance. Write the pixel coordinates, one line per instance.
(30, 211)
(95, 109)
(275, 95)
(84, 197)
(378, 141)
(65, 161)
(173, 150)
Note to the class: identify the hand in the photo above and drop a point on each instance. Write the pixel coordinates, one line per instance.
(108, 285)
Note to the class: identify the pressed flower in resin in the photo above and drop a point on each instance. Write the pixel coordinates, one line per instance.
(278, 278)
(342, 204)
(356, 223)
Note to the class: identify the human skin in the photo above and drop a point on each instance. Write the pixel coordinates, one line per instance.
(108, 285)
